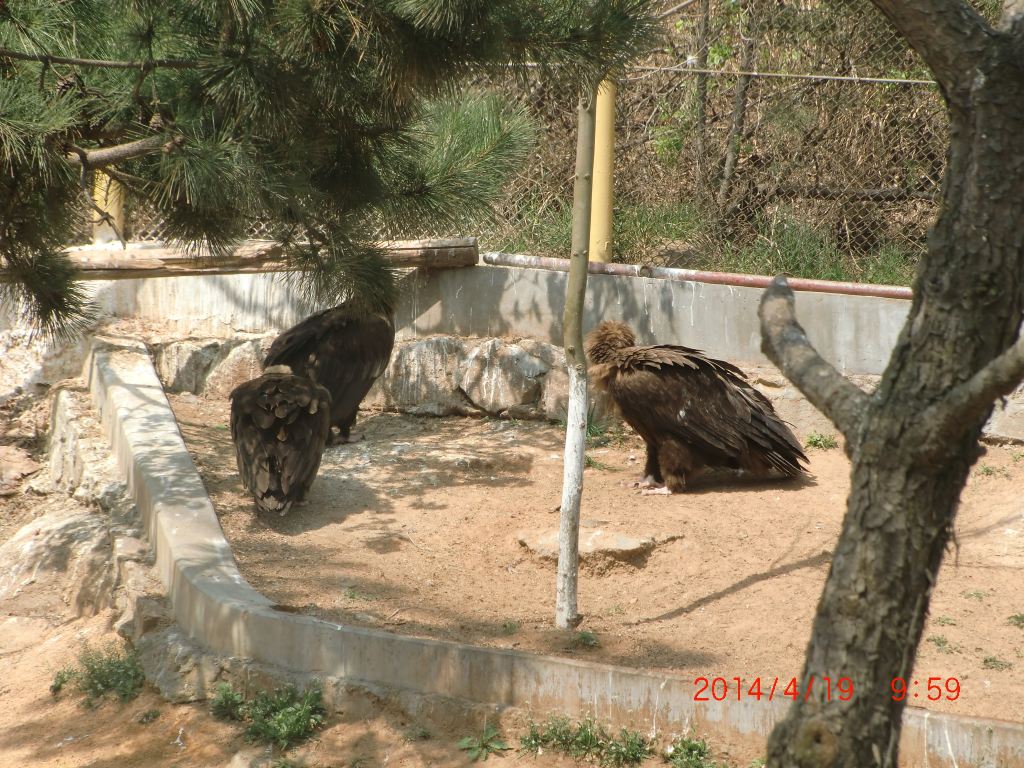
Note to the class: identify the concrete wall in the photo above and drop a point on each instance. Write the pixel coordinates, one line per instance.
(855, 333)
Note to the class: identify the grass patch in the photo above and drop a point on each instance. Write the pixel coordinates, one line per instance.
(282, 717)
(416, 733)
(354, 594)
(630, 748)
(685, 752)
(987, 470)
(509, 627)
(1017, 620)
(226, 704)
(148, 716)
(483, 746)
(975, 594)
(585, 639)
(993, 662)
(589, 462)
(587, 740)
(943, 621)
(943, 645)
(101, 672)
(821, 442)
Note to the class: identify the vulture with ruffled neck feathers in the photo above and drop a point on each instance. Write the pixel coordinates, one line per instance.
(279, 425)
(345, 349)
(692, 411)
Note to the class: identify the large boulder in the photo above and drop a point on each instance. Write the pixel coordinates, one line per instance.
(503, 379)
(63, 556)
(421, 379)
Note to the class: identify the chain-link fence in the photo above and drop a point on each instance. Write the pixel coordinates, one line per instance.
(762, 138)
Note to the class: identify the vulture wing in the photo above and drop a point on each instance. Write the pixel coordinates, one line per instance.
(279, 424)
(341, 348)
(707, 403)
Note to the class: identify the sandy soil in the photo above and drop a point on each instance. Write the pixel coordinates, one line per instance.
(414, 530)
(38, 638)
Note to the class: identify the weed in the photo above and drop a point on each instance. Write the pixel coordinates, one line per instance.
(1017, 620)
(354, 594)
(148, 716)
(483, 746)
(976, 594)
(685, 752)
(993, 662)
(62, 678)
(284, 716)
(585, 639)
(944, 621)
(587, 739)
(990, 471)
(631, 748)
(943, 645)
(591, 463)
(226, 704)
(416, 733)
(1016, 456)
(821, 442)
(509, 627)
(102, 671)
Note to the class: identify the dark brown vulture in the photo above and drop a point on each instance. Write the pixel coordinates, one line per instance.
(279, 424)
(692, 411)
(345, 349)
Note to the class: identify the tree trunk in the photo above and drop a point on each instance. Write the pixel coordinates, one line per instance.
(907, 472)
(566, 614)
(739, 110)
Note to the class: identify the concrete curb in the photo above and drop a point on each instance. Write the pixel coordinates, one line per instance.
(221, 611)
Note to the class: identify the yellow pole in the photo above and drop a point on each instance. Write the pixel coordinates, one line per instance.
(602, 197)
(109, 196)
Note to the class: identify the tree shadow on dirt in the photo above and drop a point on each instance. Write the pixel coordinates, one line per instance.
(815, 561)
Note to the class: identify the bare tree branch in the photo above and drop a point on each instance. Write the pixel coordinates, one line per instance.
(948, 34)
(963, 404)
(45, 58)
(98, 158)
(786, 345)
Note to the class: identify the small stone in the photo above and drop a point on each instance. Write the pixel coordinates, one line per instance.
(595, 543)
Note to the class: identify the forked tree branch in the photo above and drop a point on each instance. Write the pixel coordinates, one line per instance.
(948, 34)
(784, 342)
(99, 158)
(949, 416)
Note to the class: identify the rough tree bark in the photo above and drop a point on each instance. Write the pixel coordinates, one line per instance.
(566, 613)
(914, 440)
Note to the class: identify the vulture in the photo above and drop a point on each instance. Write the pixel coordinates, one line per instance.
(345, 349)
(692, 411)
(279, 425)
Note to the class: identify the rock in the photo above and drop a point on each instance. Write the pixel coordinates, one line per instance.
(68, 547)
(15, 464)
(242, 363)
(497, 376)
(595, 543)
(421, 379)
(184, 365)
(181, 670)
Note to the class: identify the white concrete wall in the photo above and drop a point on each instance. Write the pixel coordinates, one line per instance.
(855, 333)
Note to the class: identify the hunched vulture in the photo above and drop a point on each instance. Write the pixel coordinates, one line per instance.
(692, 411)
(279, 424)
(345, 349)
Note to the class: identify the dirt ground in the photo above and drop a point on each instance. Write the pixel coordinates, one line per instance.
(415, 530)
(38, 637)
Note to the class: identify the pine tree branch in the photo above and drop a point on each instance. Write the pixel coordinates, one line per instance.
(946, 418)
(948, 34)
(46, 58)
(784, 342)
(98, 158)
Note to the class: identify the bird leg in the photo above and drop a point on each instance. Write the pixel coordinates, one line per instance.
(339, 436)
(652, 469)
